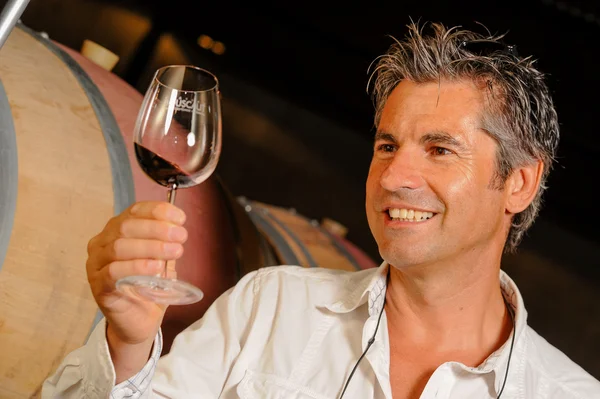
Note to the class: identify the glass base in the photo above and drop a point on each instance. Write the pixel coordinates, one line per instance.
(161, 290)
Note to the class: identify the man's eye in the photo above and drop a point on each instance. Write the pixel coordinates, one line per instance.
(440, 151)
(385, 148)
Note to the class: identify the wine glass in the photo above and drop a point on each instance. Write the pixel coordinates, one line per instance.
(177, 141)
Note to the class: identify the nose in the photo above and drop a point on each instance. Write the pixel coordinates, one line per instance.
(403, 171)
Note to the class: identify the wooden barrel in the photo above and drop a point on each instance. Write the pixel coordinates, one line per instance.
(298, 240)
(64, 171)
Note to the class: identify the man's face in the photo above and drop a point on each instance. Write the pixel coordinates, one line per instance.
(430, 195)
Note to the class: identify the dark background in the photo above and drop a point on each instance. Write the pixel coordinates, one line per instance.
(298, 120)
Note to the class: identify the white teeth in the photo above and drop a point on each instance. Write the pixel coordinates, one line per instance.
(409, 215)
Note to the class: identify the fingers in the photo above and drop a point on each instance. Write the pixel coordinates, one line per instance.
(127, 249)
(146, 231)
(148, 220)
(157, 210)
(153, 229)
(115, 271)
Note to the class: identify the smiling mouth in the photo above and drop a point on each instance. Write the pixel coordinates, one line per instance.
(408, 215)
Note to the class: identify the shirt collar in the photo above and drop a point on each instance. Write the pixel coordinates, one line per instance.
(498, 362)
(361, 287)
(370, 286)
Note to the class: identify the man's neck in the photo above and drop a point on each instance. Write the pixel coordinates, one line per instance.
(449, 307)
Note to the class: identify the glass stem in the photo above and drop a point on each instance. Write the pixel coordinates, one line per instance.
(172, 192)
(171, 198)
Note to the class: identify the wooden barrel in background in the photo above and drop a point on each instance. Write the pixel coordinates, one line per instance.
(298, 240)
(71, 174)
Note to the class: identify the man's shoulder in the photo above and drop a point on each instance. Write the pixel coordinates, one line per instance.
(310, 276)
(563, 376)
(316, 285)
(312, 273)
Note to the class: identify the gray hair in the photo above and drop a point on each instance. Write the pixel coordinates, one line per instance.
(520, 114)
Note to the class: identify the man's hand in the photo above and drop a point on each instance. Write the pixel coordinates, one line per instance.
(137, 242)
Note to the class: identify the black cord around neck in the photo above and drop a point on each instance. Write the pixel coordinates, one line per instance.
(512, 344)
(371, 340)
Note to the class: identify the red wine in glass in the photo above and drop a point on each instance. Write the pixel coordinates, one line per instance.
(159, 169)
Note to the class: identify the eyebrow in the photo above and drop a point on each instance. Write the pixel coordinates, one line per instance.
(383, 136)
(438, 137)
(441, 137)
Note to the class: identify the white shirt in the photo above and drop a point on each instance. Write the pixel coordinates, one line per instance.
(292, 332)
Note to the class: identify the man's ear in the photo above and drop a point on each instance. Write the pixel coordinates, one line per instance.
(522, 186)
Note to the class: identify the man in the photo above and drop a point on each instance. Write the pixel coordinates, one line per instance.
(466, 134)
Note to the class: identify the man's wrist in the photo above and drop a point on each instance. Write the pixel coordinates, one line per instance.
(128, 359)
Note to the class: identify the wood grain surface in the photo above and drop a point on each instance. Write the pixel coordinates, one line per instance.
(65, 196)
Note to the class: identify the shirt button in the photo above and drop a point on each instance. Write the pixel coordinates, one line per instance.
(127, 392)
